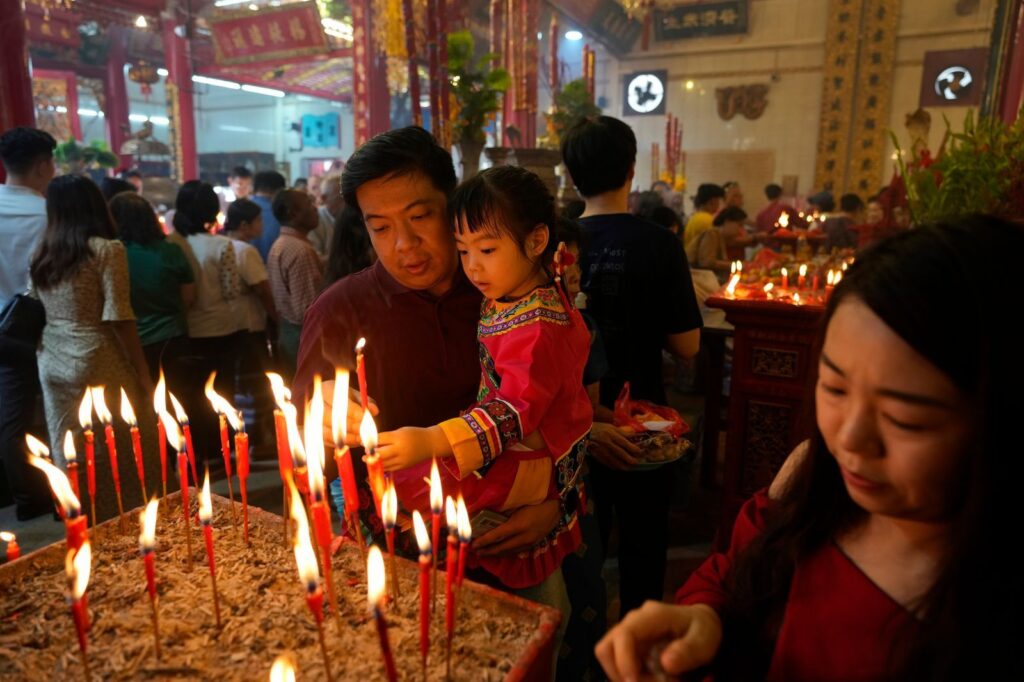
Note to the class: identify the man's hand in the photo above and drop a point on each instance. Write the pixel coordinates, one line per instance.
(611, 447)
(355, 415)
(410, 445)
(693, 635)
(525, 528)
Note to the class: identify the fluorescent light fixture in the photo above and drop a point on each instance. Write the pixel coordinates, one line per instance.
(236, 129)
(61, 110)
(160, 120)
(229, 3)
(137, 118)
(89, 112)
(253, 7)
(141, 22)
(256, 90)
(540, 36)
(216, 82)
(333, 27)
(573, 35)
(163, 73)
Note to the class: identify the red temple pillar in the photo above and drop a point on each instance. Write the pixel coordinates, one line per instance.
(179, 100)
(115, 95)
(1013, 76)
(16, 106)
(371, 101)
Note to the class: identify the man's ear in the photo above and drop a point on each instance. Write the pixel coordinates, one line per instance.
(538, 239)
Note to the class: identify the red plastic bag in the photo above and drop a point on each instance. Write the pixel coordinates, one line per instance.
(630, 415)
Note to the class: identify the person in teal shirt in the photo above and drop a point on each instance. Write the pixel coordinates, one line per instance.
(162, 283)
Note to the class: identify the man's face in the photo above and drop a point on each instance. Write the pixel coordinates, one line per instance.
(330, 196)
(242, 187)
(407, 218)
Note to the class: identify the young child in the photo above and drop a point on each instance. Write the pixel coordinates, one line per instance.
(524, 440)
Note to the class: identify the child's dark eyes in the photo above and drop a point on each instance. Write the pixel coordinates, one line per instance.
(487, 250)
(832, 390)
(462, 252)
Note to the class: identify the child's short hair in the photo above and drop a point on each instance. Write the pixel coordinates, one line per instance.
(505, 200)
(241, 211)
(729, 214)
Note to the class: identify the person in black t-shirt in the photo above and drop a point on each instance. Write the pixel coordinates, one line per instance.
(641, 296)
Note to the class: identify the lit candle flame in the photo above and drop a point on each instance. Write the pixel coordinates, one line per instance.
(731, 287)
(281, 393)
(7, 536)
(768, 287)
(360, 345)
(739, 267)
(732, 268)
(283, 670)
(59, 484)
(173, 433)
(436, 495)
(85, 410)
(147, 525)
(314, 442)
(37, 447)
(291, 419)
(205, 503)
(368, 433)
(784, 220)
(222, 406)
(305, 558)
(77, 566)
(830, 278)
(127, 413)
(160, 394)
(99, 402)
(389, 506)
(422, 536)
(796, 299)
(837, 278)
(785, 272)
(69, 447)
(803, 270)
(465, 528)
(339, 408)
(451, 515)
(375, 578)
(179, 411)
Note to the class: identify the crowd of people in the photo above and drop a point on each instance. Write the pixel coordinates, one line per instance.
(502, 334)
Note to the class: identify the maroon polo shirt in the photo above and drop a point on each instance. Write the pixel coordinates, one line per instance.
(422, 362)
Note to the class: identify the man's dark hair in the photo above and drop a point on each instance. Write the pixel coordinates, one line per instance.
(729, 214)
(240, 172)
(574, 208)
(647, 202)
(772, 191)
(111, 187)
(599, 153)
(823, 201)
(850, 203)
(22, 147)
(195, 208)
(268, 181)
(285, 205)
(666, 217)
(241, 211)
(706, 193)
(301, 183)
(404, 151)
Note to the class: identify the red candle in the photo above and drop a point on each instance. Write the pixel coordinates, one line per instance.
(77, 568)
(75, 524)
(375, 580)
(147, 543)
(465, 537)
(242, 453)
(785, 278)
(361, 360)
(389, 515)
(342, 455)
(801, 281)
(305, 561)
(814, 284)
(206, 518)
(224, 412)
(451, 561)
(187, 431)
(160, 405)
(374, 467)
(85, 419)
(284, 454)
(100, 404)
(13, 550)
(426, 550)
(176, 440)
(71, 457)
(436, 506)
(128, 415)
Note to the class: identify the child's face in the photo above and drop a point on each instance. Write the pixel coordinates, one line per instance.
(496, 264)
(571, 277)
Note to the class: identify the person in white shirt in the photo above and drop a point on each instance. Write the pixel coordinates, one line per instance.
(244, 222)
(27, 156)
(331, 204)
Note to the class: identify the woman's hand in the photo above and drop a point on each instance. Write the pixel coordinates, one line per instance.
(610, 447)
(525, 528)
(410, 445)
(693, 633)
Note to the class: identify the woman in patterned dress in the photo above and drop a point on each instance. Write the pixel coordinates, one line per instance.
(80, 273)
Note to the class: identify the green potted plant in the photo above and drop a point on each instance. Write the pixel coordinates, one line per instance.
(571, 104)
(979, 170)
(76, 158)
(475, 88)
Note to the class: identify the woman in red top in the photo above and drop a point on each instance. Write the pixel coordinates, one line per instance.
(879, 551)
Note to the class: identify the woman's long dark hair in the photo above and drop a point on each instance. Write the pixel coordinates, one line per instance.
(75, 211)
(948, 291)
(195, 208)
(135, 218)
(350, 249)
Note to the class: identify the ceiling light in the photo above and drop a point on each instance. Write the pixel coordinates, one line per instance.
(573, 35)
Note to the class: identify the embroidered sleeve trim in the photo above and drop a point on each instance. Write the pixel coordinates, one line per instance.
(481, 434)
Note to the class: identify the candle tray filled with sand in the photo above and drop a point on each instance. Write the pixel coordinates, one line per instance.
(263, 612)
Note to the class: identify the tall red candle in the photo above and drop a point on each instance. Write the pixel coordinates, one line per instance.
(375, 580)
(100, 404)
(128, 415)
(77, 568)
(389, 516)
(160, 405)
(85, 419)
(305, 561)
(13, 550)
(206, 518)
(224, 412)
(465, 537)
(71, 458)
(364, 399)
(436, 506)
(147, 545)
(374, 467)
(426, 550)
(242, 454)
(75, 524)
(343, 456)
(451, 561)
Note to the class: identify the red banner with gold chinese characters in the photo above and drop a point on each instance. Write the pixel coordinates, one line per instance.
(269, 34)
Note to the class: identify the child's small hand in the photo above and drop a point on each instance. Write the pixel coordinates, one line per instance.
(407, 446)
